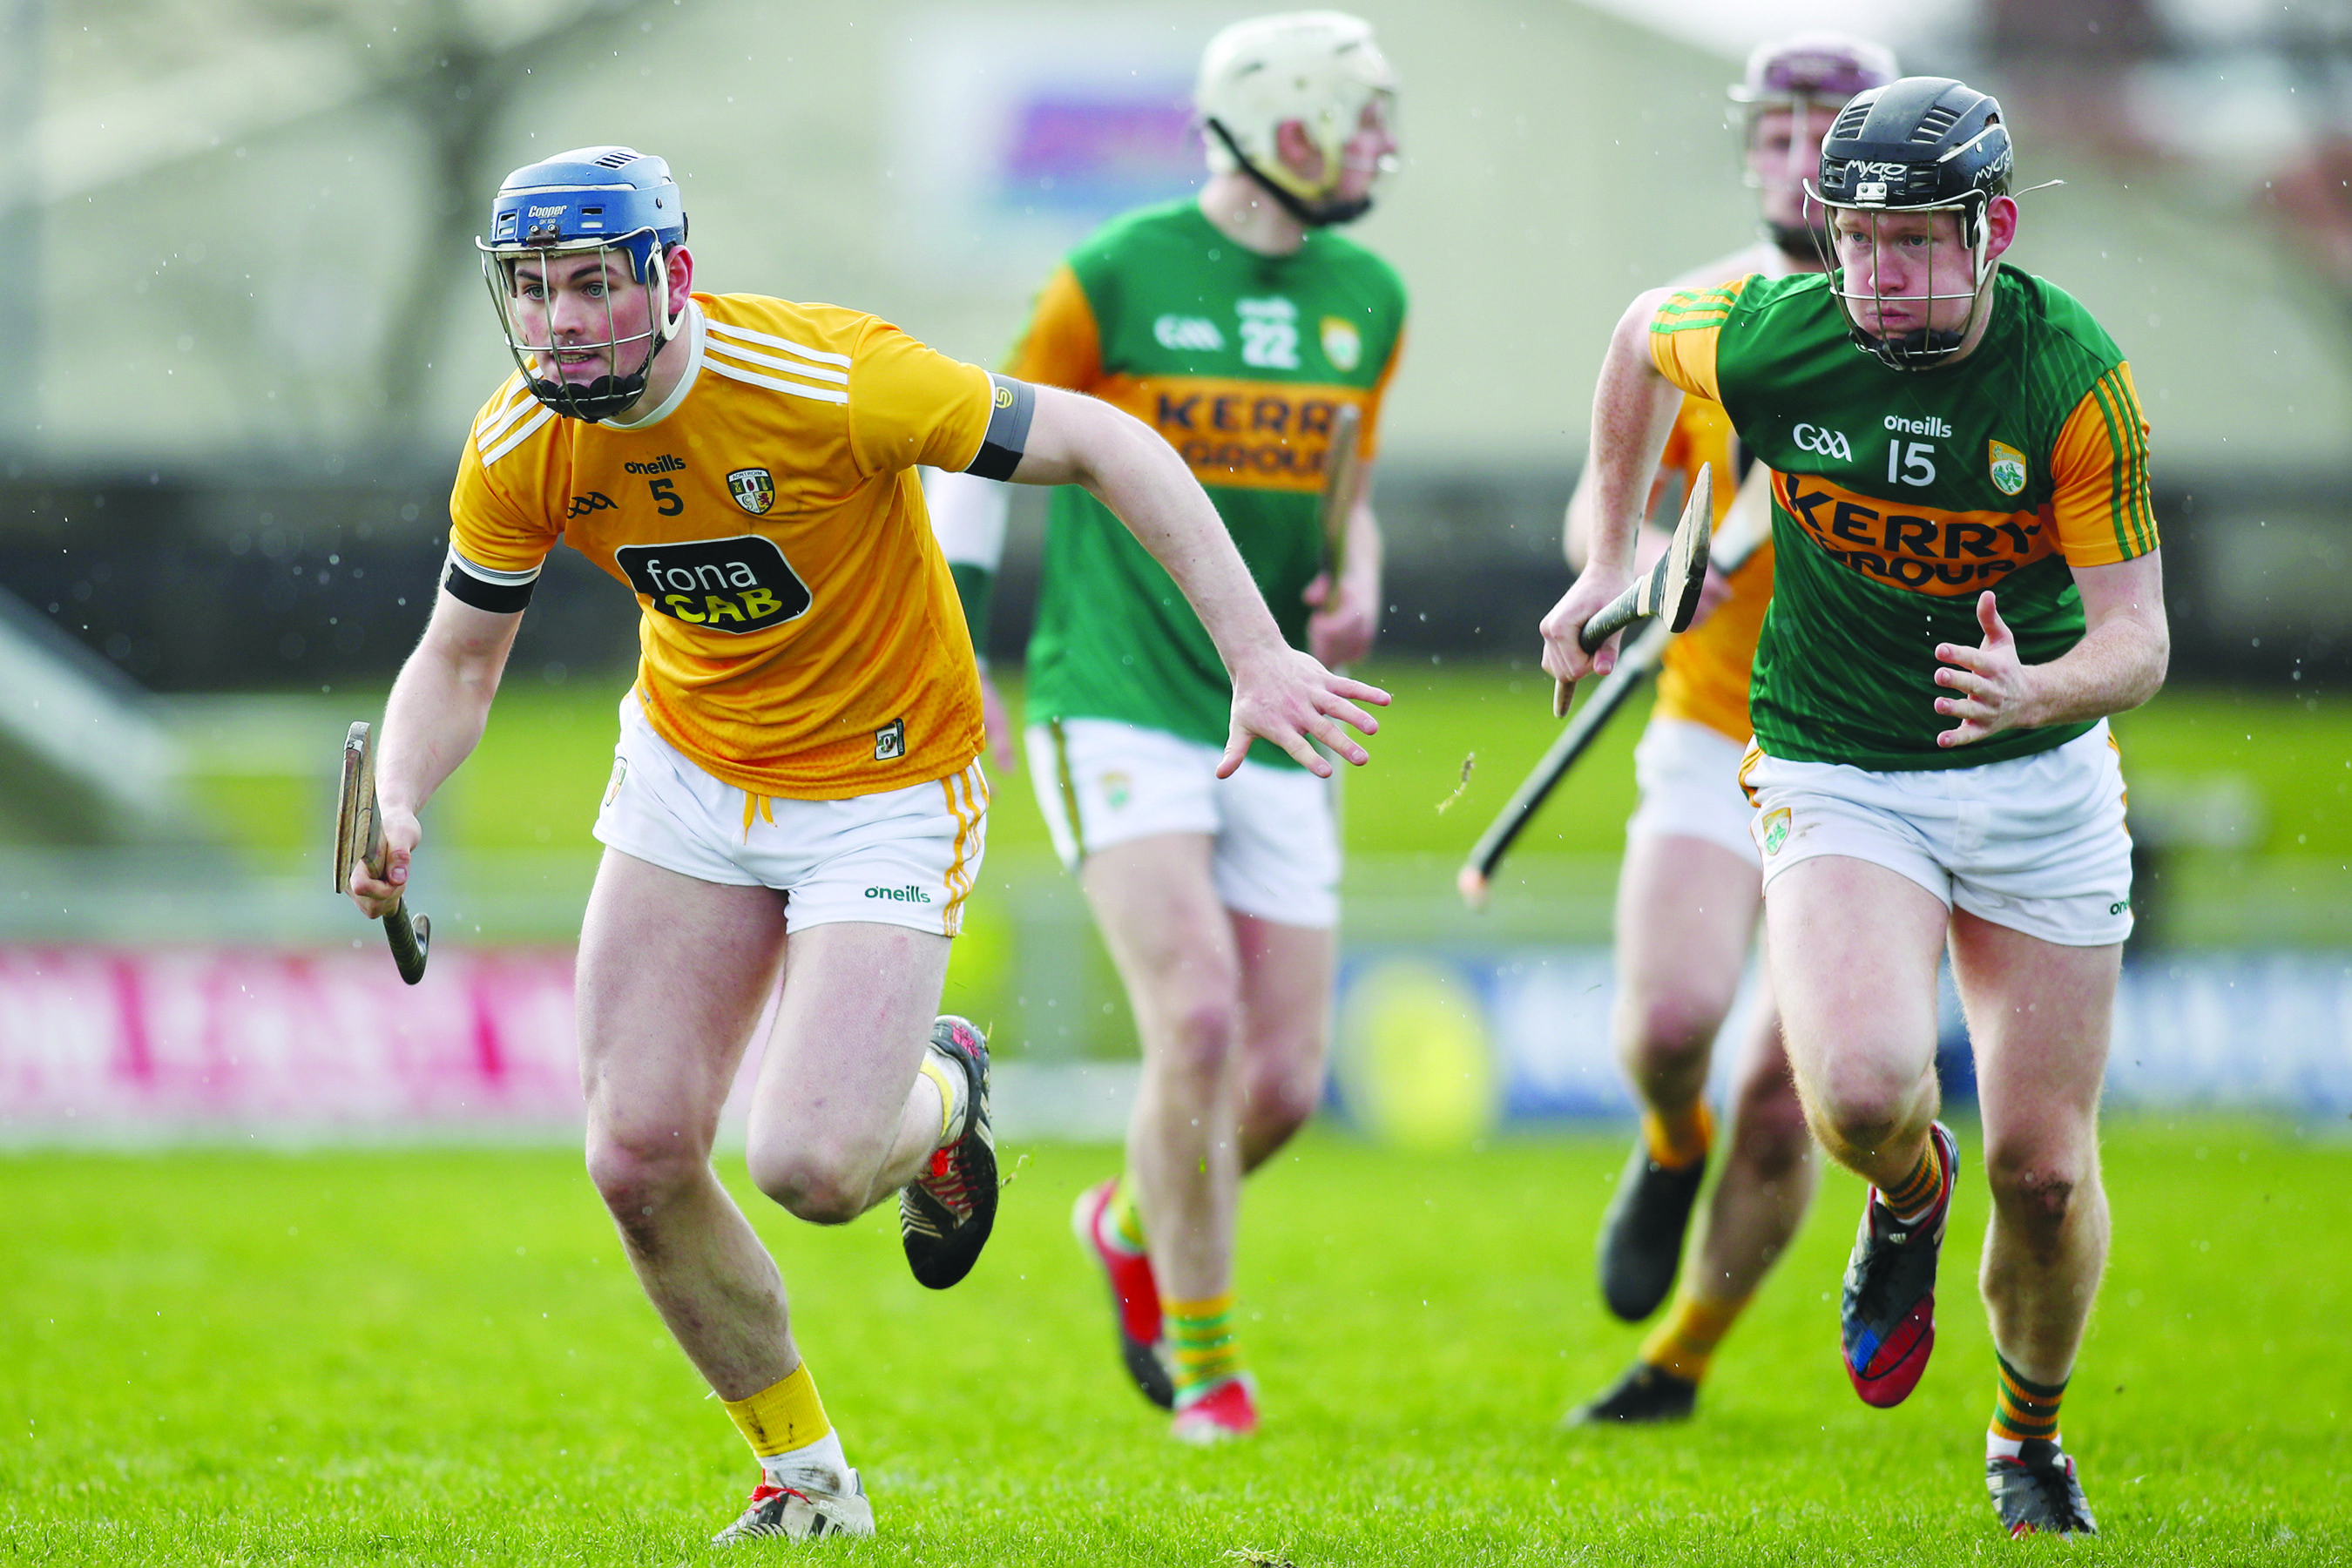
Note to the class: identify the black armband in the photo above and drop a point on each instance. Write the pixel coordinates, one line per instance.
(1011, 408)
(486, 587)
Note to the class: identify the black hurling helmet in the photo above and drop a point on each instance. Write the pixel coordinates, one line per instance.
(1920, 145)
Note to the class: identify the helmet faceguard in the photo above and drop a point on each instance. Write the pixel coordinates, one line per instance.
(1321, 68)
(599, 202)
(1809, 72)
(1919, 145)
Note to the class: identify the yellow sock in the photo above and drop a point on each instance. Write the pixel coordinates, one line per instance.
(1201, 1334)
(1685, 1340)
(1679, 1138)
(782, 1417)
(1126, 1219)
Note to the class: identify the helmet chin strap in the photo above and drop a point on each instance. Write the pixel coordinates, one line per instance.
(1314, 215)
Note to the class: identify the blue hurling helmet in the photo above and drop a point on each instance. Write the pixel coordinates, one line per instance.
(588, 201)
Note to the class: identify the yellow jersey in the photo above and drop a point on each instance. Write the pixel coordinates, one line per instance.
(1703, 676)
(800, 635)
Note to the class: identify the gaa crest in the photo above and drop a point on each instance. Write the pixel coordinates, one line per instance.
(1117, 790)
(2008, 469)
(1341, 344)
(1775, 829)
(753, 491)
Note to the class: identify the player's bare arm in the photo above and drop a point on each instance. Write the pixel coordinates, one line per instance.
(432, 722)
(2119, 664)
(1280, 693)
(1633, 410)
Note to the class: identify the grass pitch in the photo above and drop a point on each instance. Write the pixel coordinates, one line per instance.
(438, 1357)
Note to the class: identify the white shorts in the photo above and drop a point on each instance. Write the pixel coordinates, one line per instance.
(1689, 777)
(903, 857)
(2036, 844)
(1276, 851)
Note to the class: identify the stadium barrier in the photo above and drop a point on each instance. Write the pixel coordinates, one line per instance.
(104, 1043)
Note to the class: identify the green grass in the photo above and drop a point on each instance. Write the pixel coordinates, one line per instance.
(438, 1357)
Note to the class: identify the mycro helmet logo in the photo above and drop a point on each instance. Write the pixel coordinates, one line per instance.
(733, 585)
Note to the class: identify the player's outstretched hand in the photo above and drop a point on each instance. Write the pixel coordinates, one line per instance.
(376, 897)
(1994, 687)
(1563, 659)
(1286, 696)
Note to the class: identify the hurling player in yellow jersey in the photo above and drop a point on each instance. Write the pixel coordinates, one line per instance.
(1692, 884)
(796, 798)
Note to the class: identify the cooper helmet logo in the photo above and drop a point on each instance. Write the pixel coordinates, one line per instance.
(1828, 443)
(754, 489)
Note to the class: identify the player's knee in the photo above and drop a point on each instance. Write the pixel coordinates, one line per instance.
(821, 1185)
(1670, 1029)
(1773, 1139)
(1203, 1030)
(1864, 1107)
(1281, 1098)
(2034, 1187)
(638, 1170)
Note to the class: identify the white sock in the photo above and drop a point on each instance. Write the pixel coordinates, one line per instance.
(946, 1075)
(2000, 1447)
(823, 1456)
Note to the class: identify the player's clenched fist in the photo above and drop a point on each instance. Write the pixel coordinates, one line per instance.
(1563, 659)
(1288, 696)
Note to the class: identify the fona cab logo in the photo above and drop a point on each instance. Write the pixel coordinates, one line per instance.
(733, 585)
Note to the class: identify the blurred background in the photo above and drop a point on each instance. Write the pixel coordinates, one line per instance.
(243, 331)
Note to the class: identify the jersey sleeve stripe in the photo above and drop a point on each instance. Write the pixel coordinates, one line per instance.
(2127, 483)
(486, 433)
(519, 436)
(797, 389)
(767, 339)
(753, 356)
(492, 573)
(486, 587)
(2125, 423)
(2137, 435)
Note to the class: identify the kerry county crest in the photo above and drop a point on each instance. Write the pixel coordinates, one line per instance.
(755, 492)
(2008, 469)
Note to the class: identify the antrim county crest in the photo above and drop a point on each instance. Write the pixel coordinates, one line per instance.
(755, 492)
(2008, 469)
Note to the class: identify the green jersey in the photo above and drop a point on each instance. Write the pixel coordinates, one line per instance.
(1899, 496)
(1241, 360)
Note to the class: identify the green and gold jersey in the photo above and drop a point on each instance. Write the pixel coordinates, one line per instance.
(1899, 496)
(1241, 360)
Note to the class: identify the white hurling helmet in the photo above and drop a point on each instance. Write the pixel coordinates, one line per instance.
(1319, 67)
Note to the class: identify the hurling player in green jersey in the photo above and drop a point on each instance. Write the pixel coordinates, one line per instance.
(1238, 324)
(1967, 583)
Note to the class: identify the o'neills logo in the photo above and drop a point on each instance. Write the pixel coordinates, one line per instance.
(667, 463)
(735, 586)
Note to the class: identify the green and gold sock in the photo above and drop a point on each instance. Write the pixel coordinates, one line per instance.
(1126, 1219)
(1200, 1338)
(2021, 1409)
(1685, 1340)
(1911, 1198)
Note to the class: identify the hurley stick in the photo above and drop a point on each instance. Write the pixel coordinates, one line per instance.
(359, 841)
